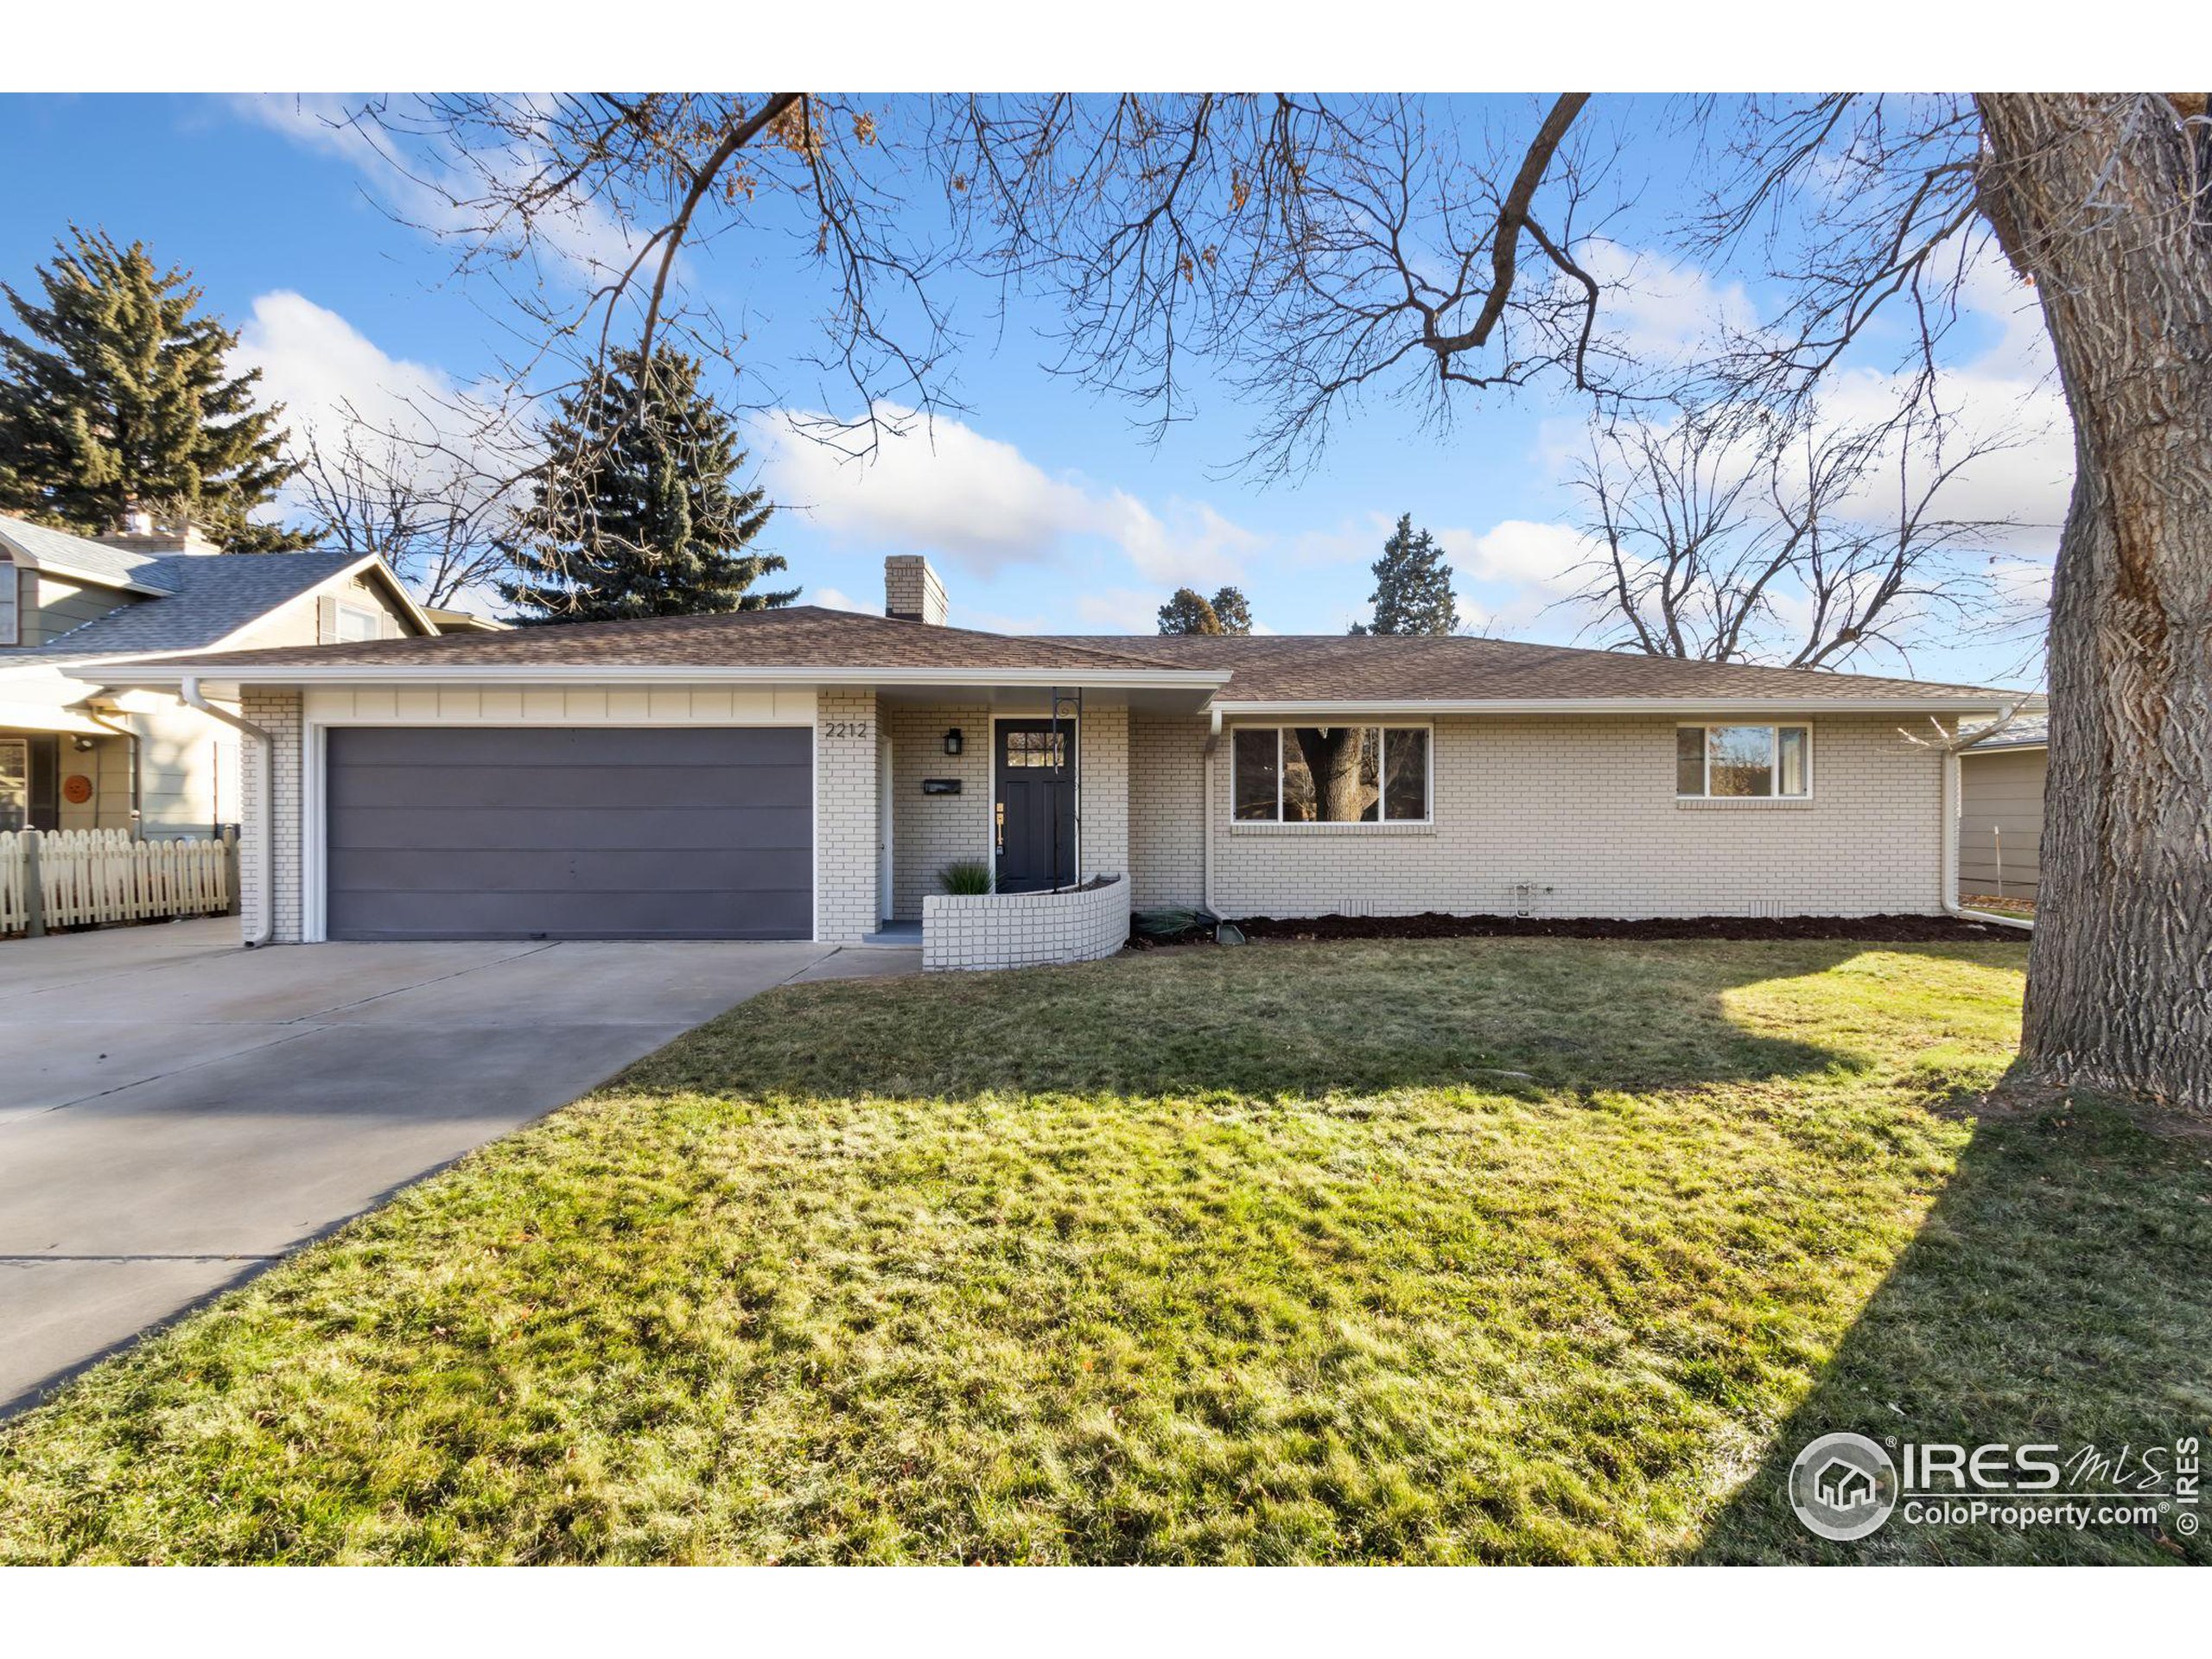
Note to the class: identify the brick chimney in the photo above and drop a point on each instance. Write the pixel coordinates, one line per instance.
(911, 592)
(141, 535)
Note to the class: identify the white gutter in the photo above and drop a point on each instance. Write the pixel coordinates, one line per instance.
(1238, 710)
(264, 852)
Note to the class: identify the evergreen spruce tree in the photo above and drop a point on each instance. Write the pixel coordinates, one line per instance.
(1233, 611)
(1413, 586)
(1188, 612)
(118, 393)
(633, 513)
(1192, 611)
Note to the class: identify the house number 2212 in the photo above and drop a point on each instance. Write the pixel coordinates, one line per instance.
(844, 728)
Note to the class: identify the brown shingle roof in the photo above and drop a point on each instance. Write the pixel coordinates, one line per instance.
(805, 637)
(1370, 668)
(1264, 668)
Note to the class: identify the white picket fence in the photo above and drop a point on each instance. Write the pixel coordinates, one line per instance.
(88, 877)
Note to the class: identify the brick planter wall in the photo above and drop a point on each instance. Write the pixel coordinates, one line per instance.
(1024, 929)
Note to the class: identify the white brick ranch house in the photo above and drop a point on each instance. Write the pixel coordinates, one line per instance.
(802, 772)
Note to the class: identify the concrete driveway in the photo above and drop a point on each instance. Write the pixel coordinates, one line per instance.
(176, 1113)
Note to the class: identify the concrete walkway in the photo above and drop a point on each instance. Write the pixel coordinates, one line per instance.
(176, 1113)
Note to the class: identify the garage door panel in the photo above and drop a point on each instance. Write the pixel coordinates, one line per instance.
(482, 832)
(600, 745)
(619, 788)
(562, 915)
(372, 870)
(597, 828)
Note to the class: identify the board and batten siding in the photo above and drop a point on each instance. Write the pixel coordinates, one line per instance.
(1573, 816)
(2000, 805)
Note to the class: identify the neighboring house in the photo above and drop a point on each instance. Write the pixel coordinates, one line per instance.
(76, 753)
(448, 621)
(803, 773)
(2001, 809)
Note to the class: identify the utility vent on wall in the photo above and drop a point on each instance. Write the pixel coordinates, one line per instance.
(1767, 908)
(1528, 896)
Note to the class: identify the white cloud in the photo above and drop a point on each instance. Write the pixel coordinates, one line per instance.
(317, 364)
(1656, 309)
(423, 189)
(1120, 610)
(963, 616)
(1519, 550)
(940, 486)
(835, 599)
(327, 373)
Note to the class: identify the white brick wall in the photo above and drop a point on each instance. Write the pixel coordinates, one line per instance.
(277, 713)
(1166, 780)
(1102, 784)
(1571, 816)
(931, 831)
(845, 824)
(1024, 929)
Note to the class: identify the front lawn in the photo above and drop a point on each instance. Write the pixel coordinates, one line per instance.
(1482, 1249)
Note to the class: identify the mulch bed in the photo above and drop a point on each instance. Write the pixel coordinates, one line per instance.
(1874, 929)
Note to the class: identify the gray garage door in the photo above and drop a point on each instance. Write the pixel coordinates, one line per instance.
(606, 833)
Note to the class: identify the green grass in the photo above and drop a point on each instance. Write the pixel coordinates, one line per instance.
(1488, 1250)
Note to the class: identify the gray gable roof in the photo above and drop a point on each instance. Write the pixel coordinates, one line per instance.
(209, 597)
(67, 554)
(2023, 732)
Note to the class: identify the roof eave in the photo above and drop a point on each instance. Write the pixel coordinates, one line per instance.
(47, 567)
(664, 673)
(1931, 703)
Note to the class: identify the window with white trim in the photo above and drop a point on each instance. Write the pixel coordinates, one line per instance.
(353, 622)
(10, 615)
(15, 783)
(1743, 762)
(1329, 774)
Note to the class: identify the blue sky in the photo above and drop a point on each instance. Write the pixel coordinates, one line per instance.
(1042, 503)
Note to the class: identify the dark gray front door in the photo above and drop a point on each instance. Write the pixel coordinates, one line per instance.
(590, 833)
(1034, 808)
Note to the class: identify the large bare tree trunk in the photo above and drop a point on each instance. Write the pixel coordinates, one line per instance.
(2095, 199)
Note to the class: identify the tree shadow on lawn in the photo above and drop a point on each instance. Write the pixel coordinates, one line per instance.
(1286, 1022)
(2055, 1295)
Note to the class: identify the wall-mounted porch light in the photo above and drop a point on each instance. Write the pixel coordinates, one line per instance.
(952, 741)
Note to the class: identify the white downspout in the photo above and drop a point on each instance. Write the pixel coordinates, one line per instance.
(1205, 811)
(264, 852)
